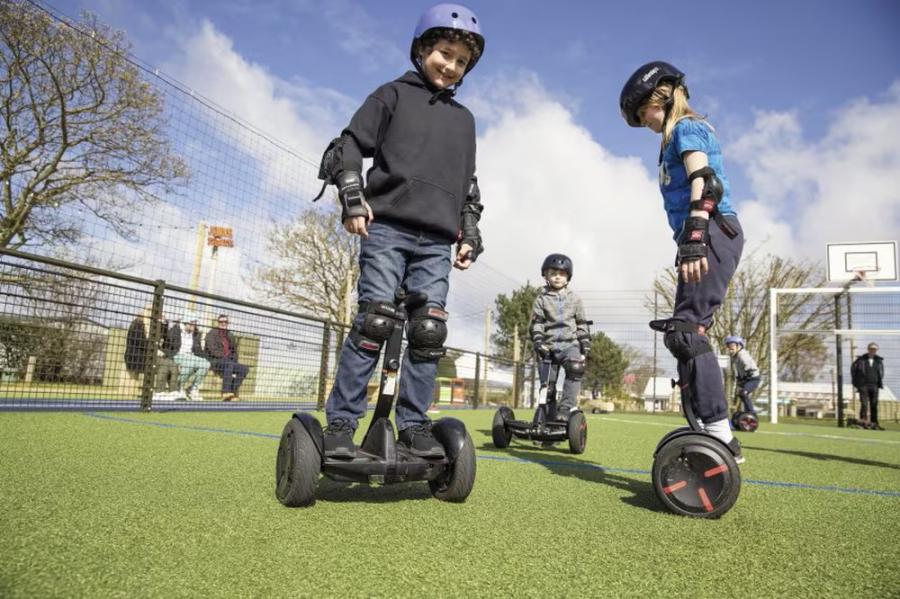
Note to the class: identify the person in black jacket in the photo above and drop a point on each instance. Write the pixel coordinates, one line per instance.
(222, 352)
(420, 197)
(867, 374)
(138, 355)
(185, 347)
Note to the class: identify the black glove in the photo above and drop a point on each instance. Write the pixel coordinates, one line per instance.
(586, 350)
(350, 193)
(694, 239)
(543, 350)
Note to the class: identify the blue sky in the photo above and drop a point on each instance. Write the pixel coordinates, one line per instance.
(805, 96)
(809, 56)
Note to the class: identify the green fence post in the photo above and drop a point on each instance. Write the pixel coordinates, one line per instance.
(477, 381)
(323, 366)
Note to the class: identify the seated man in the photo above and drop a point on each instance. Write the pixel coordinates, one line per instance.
(185, 347)
(221, 351)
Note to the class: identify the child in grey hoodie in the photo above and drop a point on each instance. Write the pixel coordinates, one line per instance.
(559, 330)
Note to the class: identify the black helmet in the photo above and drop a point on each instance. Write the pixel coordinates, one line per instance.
(641, 83)
(559, 261)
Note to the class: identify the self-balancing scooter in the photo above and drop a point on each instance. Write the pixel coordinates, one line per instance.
(694, 473)
(380, 459)
(546, 427)
(741, 419)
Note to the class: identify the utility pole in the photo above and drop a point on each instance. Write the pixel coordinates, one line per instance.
(488, 316)
(516, 357)
(198, 263)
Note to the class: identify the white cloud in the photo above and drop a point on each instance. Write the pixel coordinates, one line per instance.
(548, 186)
(297, 113)
(843, 187)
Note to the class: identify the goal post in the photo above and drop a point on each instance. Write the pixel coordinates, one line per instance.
(831, 321)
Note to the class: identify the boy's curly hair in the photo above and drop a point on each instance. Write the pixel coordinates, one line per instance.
(432, 36)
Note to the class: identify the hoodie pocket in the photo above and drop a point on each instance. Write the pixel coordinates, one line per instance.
(426, 203)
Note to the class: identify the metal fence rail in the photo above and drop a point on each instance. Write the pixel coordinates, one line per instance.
(64, 336)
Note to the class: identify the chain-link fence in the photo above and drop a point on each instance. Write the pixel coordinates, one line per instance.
(819, 333)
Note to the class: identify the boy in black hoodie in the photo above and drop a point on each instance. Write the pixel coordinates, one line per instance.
(420, 196)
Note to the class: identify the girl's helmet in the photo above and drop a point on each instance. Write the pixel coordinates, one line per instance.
(641, 83)
(558, 261)
(448, 16)
(734, 339)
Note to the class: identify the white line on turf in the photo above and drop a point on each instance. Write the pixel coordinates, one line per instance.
(762, 432)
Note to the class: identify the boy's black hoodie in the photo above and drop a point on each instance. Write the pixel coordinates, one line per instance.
(423, 147)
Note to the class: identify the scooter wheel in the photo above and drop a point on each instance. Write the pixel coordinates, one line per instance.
(297, 467)
(576, 428)
(456, 482)
(696, 475)
(746, 421)
(499, 429)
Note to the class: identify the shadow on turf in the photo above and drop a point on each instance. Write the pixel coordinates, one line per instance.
(336, 492)
(827, 457)
(559, 461)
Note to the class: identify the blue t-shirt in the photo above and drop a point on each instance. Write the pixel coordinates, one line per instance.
(689, 135)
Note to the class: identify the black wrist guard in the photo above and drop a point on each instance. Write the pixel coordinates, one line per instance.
(471, 214)
(353, 202)
(694, 239)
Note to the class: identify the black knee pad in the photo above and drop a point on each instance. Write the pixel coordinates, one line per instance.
(426, 332)
(686, 346)
(574, 369)
(376, 327)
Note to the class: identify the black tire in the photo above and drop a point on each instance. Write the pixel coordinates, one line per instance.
(595, 410)
(577, 431)
(747, 422)
(455, 483)
(500, 432)
(734, 420)
(696, 475)
(297, 467)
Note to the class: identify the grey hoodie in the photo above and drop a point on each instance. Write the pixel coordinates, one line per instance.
(743, 366)
(557, 319)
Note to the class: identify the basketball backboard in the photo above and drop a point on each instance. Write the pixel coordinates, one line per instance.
(877, 259)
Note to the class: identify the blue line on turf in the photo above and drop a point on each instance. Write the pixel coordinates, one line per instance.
(763, 483)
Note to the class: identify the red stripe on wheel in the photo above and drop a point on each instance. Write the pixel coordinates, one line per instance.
(672, 488)
(717, 470)
(706, 502)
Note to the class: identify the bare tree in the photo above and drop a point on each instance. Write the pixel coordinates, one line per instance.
(745, 312)
(316, 270)
(82, 132)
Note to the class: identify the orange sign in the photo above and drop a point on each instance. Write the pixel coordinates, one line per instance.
(220, 237)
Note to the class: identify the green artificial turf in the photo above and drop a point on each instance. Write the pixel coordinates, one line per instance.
(118, 505)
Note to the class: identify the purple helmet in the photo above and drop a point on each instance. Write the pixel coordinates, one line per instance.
(448, 16)
(734, 339)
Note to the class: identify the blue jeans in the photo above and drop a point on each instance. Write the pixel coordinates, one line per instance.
(232, 372)
(745, 390)
(392, 256)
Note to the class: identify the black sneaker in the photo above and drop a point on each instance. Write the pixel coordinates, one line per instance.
(735, 446)
(338, 437)
(419, 440)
